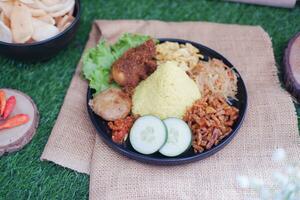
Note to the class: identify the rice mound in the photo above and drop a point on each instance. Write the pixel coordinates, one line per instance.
(168, 92)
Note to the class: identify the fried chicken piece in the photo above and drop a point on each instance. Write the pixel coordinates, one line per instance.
(135, 65)
(111, 104)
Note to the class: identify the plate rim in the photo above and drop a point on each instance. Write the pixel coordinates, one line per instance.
(172, 160)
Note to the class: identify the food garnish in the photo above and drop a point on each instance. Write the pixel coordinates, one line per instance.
(15, 121)
(148, 134)
(127, 41)
(135, 65)
(179, 137)
(168, 92)
(2, 102)
(10, 105)
(32, 21)
(170, 137)
(210, 119)
(96, 66)
(97, 61)
(120, 128)
(216, 76)
(111, 104)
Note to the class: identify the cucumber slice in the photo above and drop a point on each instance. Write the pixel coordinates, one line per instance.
(148, 134)
(179, 137)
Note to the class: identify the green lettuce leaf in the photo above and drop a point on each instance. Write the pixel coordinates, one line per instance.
(97, 61)
(127, 41)
(96, 66)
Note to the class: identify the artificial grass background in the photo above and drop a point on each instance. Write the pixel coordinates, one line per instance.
(22, 174)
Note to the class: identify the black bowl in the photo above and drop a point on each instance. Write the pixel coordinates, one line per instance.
(189, 156)
(45, 49)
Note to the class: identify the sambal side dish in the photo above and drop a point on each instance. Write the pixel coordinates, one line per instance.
(162, 97)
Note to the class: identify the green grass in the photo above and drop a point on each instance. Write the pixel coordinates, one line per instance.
(22, 175)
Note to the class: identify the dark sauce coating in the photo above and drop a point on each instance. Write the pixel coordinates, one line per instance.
(135, 65)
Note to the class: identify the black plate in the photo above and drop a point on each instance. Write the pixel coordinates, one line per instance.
(189, 156)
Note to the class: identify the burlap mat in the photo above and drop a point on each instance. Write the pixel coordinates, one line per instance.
(270, 123)
(276, 3)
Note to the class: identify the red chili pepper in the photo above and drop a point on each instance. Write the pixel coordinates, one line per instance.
(16, 120)
(2, 102)
(10, 105)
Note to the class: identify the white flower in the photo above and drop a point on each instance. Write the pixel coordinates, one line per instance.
(256, 183)
(288, 191)
(290, 170)
(278, 155)
(265, 193)
(278, 196)
(298, 174)
(290, 188)
(280, 178)
(243, 181)
(286, 182)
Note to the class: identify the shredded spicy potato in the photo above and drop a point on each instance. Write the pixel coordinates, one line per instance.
(210, 120)
(120, 128)
(216, 76)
